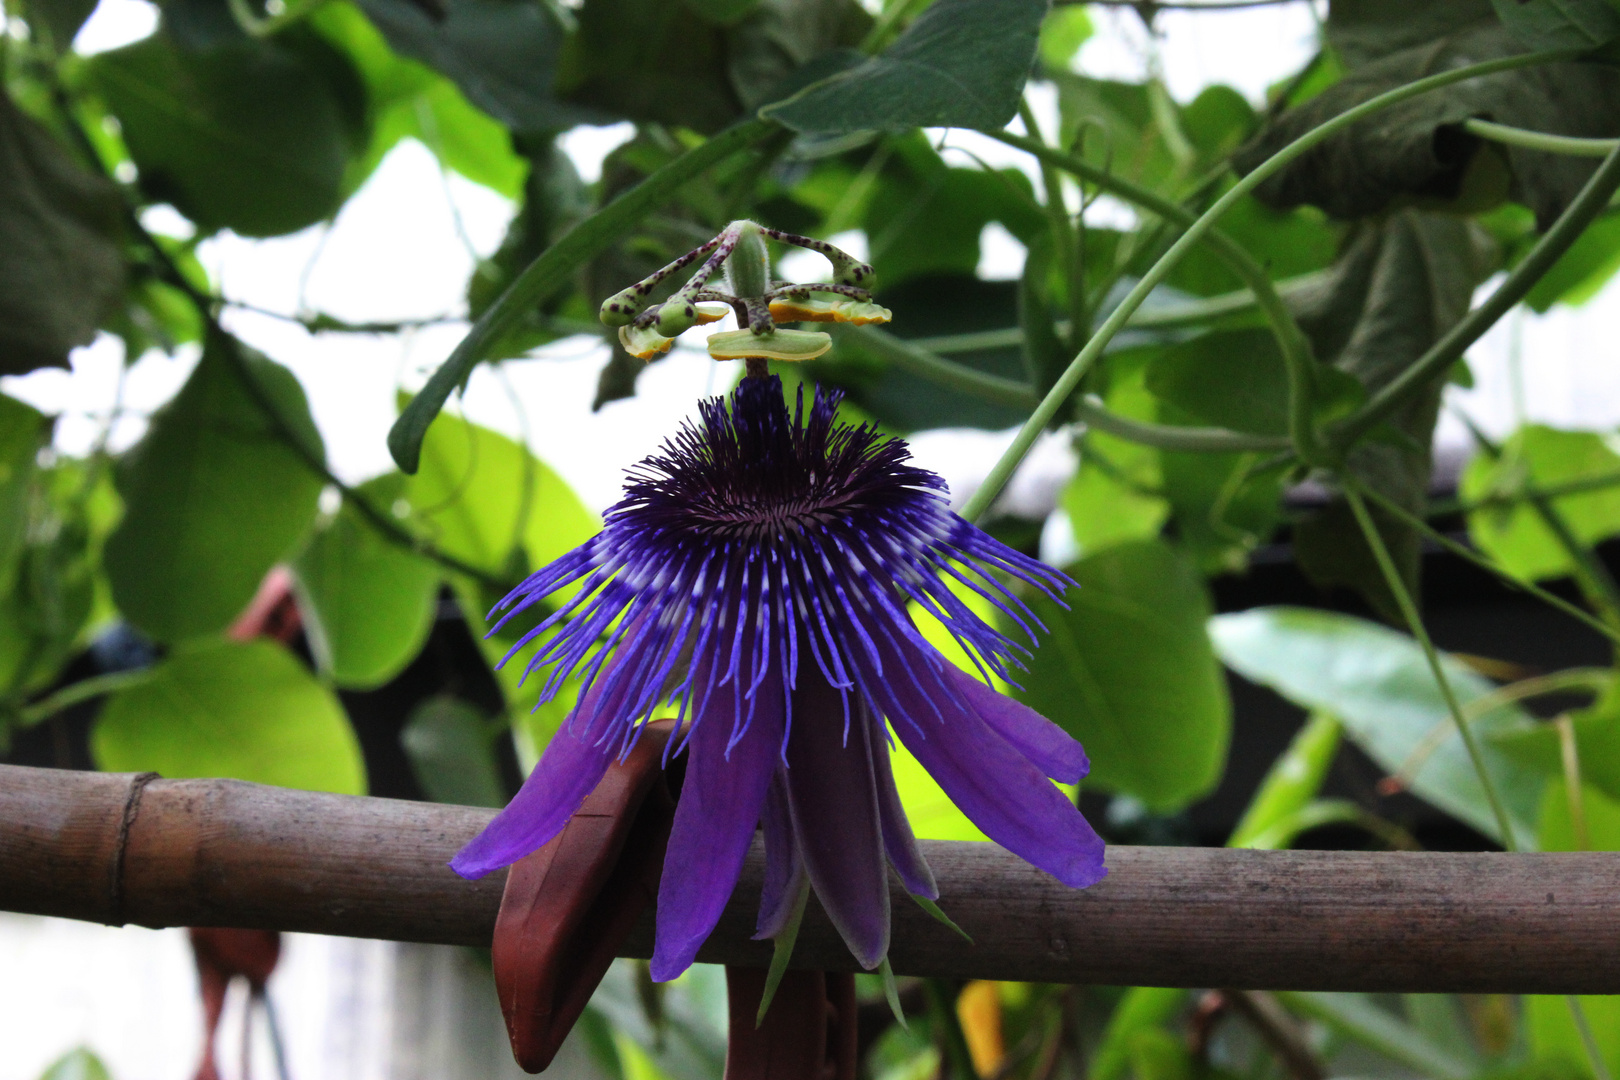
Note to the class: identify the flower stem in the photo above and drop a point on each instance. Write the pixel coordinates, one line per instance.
(551, 270)
(1540, 140)
(1299, 411)
(1414, 622)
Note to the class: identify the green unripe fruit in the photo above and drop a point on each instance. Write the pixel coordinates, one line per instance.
(675, 318)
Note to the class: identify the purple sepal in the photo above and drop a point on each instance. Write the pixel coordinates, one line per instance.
(573, 764)
(721, 800)
(989, 780)
(784, 870)
(835, 812)
(1049, 748)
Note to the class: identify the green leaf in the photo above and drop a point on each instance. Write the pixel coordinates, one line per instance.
(236, 132)
(1115, 496)
(1128, 671)
(486, 500)
(368, 603)
(1236, 379)
(1415, 153)
(1559, 24)
(1143, 1008)
(63, 270)
(1512, 533)
(247, 710)
(1583, 270)
(925, 218)
(1597, 740)
(1378, 684)
(409, 100)
(962, 63)
(449, 744)
(1400, 285)
(215, 498)
(1063, 31)
(1293, 780)
(502, 54)
(78, 1064)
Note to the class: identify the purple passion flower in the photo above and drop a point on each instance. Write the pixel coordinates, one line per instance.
(758, 571)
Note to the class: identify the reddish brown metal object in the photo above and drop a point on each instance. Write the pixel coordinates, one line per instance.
(569, 907)
(808, 1033)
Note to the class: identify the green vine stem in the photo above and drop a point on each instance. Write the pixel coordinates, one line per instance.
(1591, 202)
(1168, 316)
(1211, 440)
(1414, 622)
(1203, 226)
(1540, 140)
(1580, 486)
(1465, 552)
(551, 270)
(1064, 238)
(1291, 340)
(909, 355)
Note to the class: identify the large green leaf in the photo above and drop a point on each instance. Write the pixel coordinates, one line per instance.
(1416, 151)
(1401, 284)
(216, 496)
(62, 271)
(924, 218)
(409, 100)
(1560, 24)
(1116, 496)
(962, 63)
(1377, 682)
(1128, 671)
(483, 498)
(250, 134)
(502, 54)
(1536, 456)
(247, 710)
(368, 603)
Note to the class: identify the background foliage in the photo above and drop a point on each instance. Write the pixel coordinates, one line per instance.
(1276, 391)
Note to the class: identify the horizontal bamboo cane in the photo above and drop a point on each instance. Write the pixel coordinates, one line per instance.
(123, 848)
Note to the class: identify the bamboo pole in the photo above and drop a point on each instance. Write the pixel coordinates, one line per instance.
(123, 848)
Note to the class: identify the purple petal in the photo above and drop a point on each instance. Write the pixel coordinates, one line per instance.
(898, 840)
(989, 780)
(720, 804)
(784, 870)
(835, 811)
(1049, 748)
